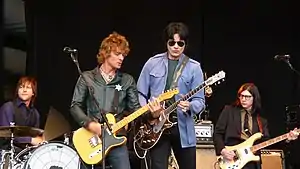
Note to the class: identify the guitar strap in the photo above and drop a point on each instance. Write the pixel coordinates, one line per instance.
(116, 102)
(259, 123)
(179, 72)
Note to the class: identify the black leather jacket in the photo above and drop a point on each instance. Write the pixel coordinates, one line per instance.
(83, 108)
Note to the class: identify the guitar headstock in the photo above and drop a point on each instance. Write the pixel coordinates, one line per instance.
(168, 94)
(215, 78)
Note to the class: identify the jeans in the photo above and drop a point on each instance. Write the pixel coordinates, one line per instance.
(117, 158)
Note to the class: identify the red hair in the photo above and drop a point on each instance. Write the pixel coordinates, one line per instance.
(111, 43)
(32, 81)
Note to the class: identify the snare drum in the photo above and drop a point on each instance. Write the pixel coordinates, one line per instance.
(53, 155)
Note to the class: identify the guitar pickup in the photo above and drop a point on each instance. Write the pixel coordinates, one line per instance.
(236, 157)
(94, 141)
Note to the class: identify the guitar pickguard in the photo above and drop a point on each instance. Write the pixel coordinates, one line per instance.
(109, 142)
(162, 119)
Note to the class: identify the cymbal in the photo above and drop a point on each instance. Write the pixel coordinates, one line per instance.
(20, 131)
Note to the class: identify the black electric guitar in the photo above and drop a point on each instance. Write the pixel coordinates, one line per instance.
(146, 135)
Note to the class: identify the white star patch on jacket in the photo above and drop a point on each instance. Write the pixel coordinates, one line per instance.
(118, 87)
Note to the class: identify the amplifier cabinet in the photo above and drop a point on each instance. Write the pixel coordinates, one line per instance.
(272, 159)
(205, 157)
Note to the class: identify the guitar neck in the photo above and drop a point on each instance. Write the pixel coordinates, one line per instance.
(129, 118)
(270, 142)
(173, 107)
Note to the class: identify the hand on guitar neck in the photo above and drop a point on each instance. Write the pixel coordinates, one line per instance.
(293, 135)
(184, 105)
(208, 91)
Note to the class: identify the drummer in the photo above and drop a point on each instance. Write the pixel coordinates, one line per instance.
(21, 111)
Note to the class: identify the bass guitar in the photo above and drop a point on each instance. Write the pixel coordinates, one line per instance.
(147, 135)
(89, 145)
(244, 152)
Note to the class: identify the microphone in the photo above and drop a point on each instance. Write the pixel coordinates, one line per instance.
(73, 53)
(282, 57)
(286, 58)
(69, 50)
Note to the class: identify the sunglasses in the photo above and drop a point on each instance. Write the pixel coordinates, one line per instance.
(179, 43)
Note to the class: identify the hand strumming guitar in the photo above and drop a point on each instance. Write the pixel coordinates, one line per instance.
(155, 108)
(227, 154)
(94, 127)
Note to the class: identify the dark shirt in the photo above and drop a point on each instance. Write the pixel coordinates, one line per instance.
(123, 87)
(7, 116)
(172, 64)
(228, 128)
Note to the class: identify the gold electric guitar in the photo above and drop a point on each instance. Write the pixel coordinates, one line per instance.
(89, 146)
(244, 152)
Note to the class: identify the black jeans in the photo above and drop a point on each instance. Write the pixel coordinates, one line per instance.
(159, 154)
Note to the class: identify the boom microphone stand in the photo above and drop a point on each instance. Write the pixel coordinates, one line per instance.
(286, 59)
(73, 55)
(291, 111)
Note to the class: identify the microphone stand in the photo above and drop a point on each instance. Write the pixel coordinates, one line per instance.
(289, 146)
(291, 67)
(91, 92)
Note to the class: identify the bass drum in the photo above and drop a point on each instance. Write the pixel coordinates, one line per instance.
(53, 155)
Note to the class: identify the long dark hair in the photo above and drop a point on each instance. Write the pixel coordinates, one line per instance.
(256, 106)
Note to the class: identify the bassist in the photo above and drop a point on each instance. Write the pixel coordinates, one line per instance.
(239, 121)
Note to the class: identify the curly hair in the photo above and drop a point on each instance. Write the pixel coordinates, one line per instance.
(110, 44)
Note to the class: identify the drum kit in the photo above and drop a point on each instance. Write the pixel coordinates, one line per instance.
(47, 155)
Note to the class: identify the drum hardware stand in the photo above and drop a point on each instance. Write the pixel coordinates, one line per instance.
(66, 139)
(173, 162)
(11, 152)
(73, 54)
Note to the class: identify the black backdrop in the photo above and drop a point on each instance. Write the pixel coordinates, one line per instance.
(240, 38)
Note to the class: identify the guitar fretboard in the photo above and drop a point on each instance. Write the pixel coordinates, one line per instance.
(270, 142)
(173, 107)
(129, 118)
